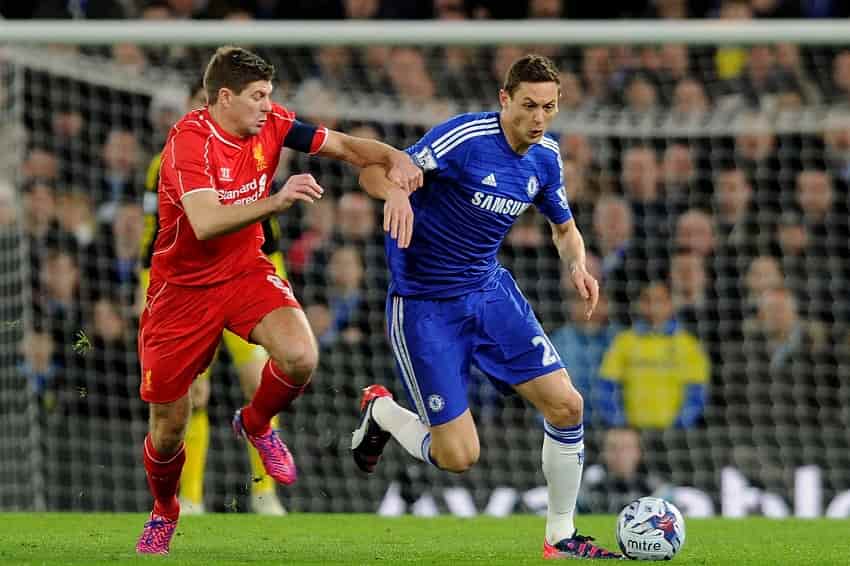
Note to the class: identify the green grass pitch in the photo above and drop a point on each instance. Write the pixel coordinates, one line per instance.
(83, 539)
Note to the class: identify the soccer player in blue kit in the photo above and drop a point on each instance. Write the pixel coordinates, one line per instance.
(450, 304)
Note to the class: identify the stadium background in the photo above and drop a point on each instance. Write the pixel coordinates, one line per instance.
(674, 131)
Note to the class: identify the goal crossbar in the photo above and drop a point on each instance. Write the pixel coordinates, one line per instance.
(529, 32)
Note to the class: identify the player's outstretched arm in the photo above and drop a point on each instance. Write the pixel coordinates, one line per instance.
(570, 246)
(398, 214)
(209, 218)
(363, 152)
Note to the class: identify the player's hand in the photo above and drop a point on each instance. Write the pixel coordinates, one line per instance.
(301, 187)
(404, 172)
(398, 217)
(587, 287)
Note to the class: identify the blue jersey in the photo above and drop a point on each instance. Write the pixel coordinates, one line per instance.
(476, 186)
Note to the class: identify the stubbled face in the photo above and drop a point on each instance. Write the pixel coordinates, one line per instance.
(528, 113)
(248, 110)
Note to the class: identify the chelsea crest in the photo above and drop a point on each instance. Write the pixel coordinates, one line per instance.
(532, 187)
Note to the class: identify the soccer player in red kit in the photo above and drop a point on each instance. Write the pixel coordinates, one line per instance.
(208, 272)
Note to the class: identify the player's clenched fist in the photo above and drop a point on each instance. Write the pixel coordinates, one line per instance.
(298, 187)
(404, 172)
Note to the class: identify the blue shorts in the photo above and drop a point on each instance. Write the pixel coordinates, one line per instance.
(435, 341)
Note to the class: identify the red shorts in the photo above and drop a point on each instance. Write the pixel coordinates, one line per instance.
(181, 326)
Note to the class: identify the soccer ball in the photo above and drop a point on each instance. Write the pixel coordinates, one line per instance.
(650, 528)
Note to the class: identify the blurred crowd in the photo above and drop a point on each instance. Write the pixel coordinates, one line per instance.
(704, 230)
(723, 255)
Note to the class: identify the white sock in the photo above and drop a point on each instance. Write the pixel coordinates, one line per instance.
(563, 460)
(405, 427)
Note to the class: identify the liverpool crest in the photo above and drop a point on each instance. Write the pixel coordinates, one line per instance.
(259, 157)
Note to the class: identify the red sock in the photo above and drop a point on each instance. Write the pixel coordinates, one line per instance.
(275, 393)
(163, 476)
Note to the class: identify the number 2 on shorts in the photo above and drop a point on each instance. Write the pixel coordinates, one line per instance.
(550, 356)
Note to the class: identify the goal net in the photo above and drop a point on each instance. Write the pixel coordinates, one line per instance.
(709, 178)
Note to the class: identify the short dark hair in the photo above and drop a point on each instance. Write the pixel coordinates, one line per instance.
(234, 68)
(531, 69)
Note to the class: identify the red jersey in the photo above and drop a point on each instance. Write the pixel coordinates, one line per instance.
(200, 156)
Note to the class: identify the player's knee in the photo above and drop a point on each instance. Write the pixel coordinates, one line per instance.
(458, 463)
(566, 411)
(299, 360)
(167, 437)
(457, 459)
(168, 424)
